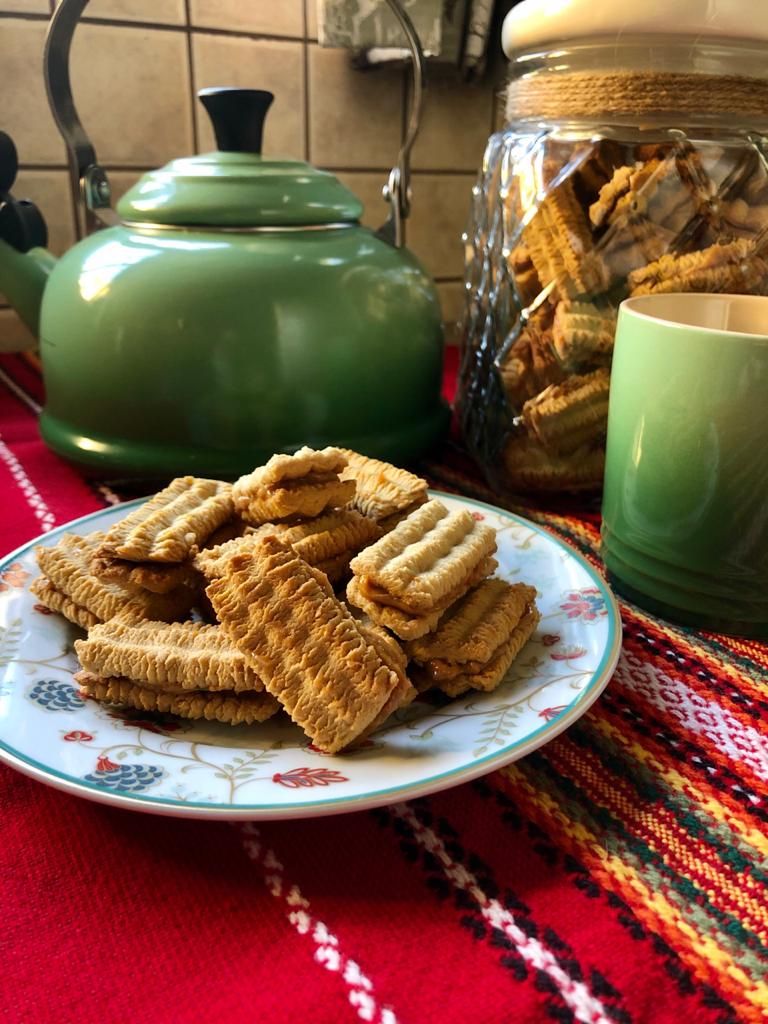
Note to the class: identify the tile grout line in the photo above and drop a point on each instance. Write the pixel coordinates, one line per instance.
(191, 76)
(110, 166)
(305, 72)
(161, 26)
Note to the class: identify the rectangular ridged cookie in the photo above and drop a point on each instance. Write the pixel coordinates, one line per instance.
(304, 463)
(566, 416)
(300, 499)
(559, 240)
(330, 535)
(475, 627)
(172, 524)
(226, 707)
(388, 523)
(409, 625)
(739, 267)
(68, 567)
(304, 484)
(303, 643)
(405, 624)
(212, 562)
(57, 601)
(189, 655)
(394, 657)
(583, 332)
(320, 542)
(492, 674)
(382, 489)
(529, 467)
(424, 558)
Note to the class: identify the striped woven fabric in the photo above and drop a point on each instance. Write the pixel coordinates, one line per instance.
(618, 874)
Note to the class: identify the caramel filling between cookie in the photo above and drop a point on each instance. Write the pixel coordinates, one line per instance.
(310, 480)
(376, 593)
(441, 669)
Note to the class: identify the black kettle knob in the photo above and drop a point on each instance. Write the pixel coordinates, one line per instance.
(237, 116)
(21, 223)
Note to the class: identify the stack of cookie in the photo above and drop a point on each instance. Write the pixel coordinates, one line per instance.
(383, 492)
(69, 586)
(406, 580)
(151, 549)
(280, 637)
(304, 484)
(477, 639)
(587, 228)
(184, 668)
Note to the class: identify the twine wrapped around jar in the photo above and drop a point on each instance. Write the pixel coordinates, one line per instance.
(609, 93)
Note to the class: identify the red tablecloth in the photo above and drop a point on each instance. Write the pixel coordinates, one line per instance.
(616, 875)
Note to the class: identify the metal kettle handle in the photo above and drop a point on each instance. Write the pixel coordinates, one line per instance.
(92, 179)
(84, 167)
(397, 191)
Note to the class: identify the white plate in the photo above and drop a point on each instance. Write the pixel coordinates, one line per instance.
(167, 765)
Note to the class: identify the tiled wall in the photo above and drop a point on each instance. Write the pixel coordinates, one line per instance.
(136, 65)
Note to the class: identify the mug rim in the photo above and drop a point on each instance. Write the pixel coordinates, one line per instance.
(630, 307)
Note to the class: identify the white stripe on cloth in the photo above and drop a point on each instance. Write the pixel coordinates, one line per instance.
(327, 950)
(108, 494)
(674, 698)
(584, 1005)
(27, 488)
(21, 395)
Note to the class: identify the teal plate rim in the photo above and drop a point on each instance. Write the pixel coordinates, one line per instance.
(338, 805)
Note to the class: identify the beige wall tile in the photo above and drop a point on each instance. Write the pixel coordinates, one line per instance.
(367, 188)
(455, 125)
(255, 64)
(311, 9)
(163, 12)
(354, 116)
(438, 219)
(272, 17)
(452, 306)
(131, 86)
(50, 192)
(25, 114)
(14, 336)
(26, 6)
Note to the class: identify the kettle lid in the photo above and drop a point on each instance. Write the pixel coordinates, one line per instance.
(236, 186)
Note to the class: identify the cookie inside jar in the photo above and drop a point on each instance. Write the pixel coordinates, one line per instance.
(627, 166)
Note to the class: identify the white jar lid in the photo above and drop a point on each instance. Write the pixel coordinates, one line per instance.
(533, 23)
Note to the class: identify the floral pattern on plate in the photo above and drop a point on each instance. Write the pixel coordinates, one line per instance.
(198, 769)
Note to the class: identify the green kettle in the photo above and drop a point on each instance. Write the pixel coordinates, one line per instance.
(233, 307)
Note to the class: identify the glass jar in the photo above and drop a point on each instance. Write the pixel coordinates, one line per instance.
(631, 164)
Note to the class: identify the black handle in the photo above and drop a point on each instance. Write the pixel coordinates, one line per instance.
(237, 116)
(21, 223)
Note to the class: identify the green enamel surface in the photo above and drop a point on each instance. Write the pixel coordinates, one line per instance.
(23, 277)
(239, 189)
(685, 531)
(170, 352)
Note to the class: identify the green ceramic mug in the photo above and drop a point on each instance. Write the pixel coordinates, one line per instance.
(685, 504)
